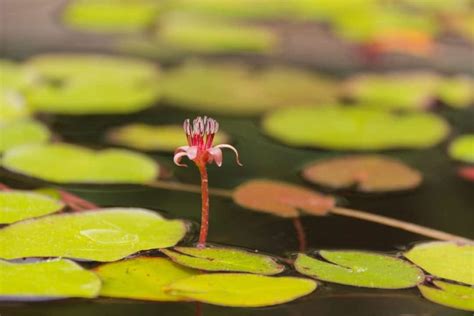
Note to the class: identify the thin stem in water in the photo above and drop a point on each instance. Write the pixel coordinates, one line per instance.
(300, 234)
(204, 205)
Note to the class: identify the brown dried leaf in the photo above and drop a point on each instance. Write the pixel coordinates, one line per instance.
(281, 199)
(369, 173)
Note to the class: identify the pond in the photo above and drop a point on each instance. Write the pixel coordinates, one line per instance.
(442, 201)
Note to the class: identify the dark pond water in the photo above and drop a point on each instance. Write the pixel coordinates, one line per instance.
(444, 202)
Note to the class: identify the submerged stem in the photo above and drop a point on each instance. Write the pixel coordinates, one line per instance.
(387, 221)
(204, 205)
(300, 234)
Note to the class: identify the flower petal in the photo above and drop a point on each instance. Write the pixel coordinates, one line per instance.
(231, 148)
(181, 149)
(192, 152)
(216, 155)
(177, 158)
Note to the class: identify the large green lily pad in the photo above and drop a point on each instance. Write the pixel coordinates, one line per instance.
(22, 132)
(142, 278)
(154, 137)
(354, 128)
(77, 84)
(56, 278)
(205, 35)
(98, 235)
(111, 15)
(18, 205)
(462, 148)
(281, 198)
(242, 290)
(360, 268)
(445, 260)
(224, 259)
(235, 89)
(457, 92)
(452, 295)
(65, 163)
(369, 173)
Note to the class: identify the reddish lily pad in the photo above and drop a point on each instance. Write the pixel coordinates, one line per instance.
(281, 199)
(224, 259)
(142, 278)
(369, 173)
(467, 173)
(448, 294)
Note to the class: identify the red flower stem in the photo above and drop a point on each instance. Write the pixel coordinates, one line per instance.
(300, 234)
(204, 205)
(76, 203)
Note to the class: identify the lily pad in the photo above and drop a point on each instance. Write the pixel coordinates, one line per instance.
(235, 89)
(98, 235)
(452, 295)
(142, 278)
(154, 137)
(65, 163)
(77, 84)
(18, 205)
(369, 173)
(467, 173)
(462, 148)
(22, 132)
(209, 35)
(224, 259)
(111, 15)
(242, 290)
(395, 91)
(445, 260)
(56, 278)
(354, 128)
(281, 199)
(358, 268)
(457, 92)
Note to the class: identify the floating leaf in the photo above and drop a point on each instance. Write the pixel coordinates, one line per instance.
(354, 128)
(370, 173)
(18, 205)
(154, 137)
(142, 278)
(224, 259)
(452, 295)
(111, 15)
(242, 290)
(445, 260)
(56, 278)
(413, 90)
(467, 173)
(235, 89)
(207, 35)
(65, 163)
(99, 235)
(360, 268)
(462, 148)
(23, 132)
(457, 92)
(77, 84)
(281, 199)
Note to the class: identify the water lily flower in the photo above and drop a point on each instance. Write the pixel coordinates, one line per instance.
(200, 135)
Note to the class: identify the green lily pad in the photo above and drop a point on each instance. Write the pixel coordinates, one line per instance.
(457, 92)
(462, 148)
(358, 268)
(235, 89)
(154, 137)
(12, 106)
(18, 205)
(76, 84)
(394, 91)
(281, 198)
(369, 173)
(201, 35)
(65, 163)
(98, 235)
(445, 260)
(142, 278)
(111, 15)
(56, 278)
(452, 295)
(224, 259)
(354, 128)
(22, 132)
(242, 290)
